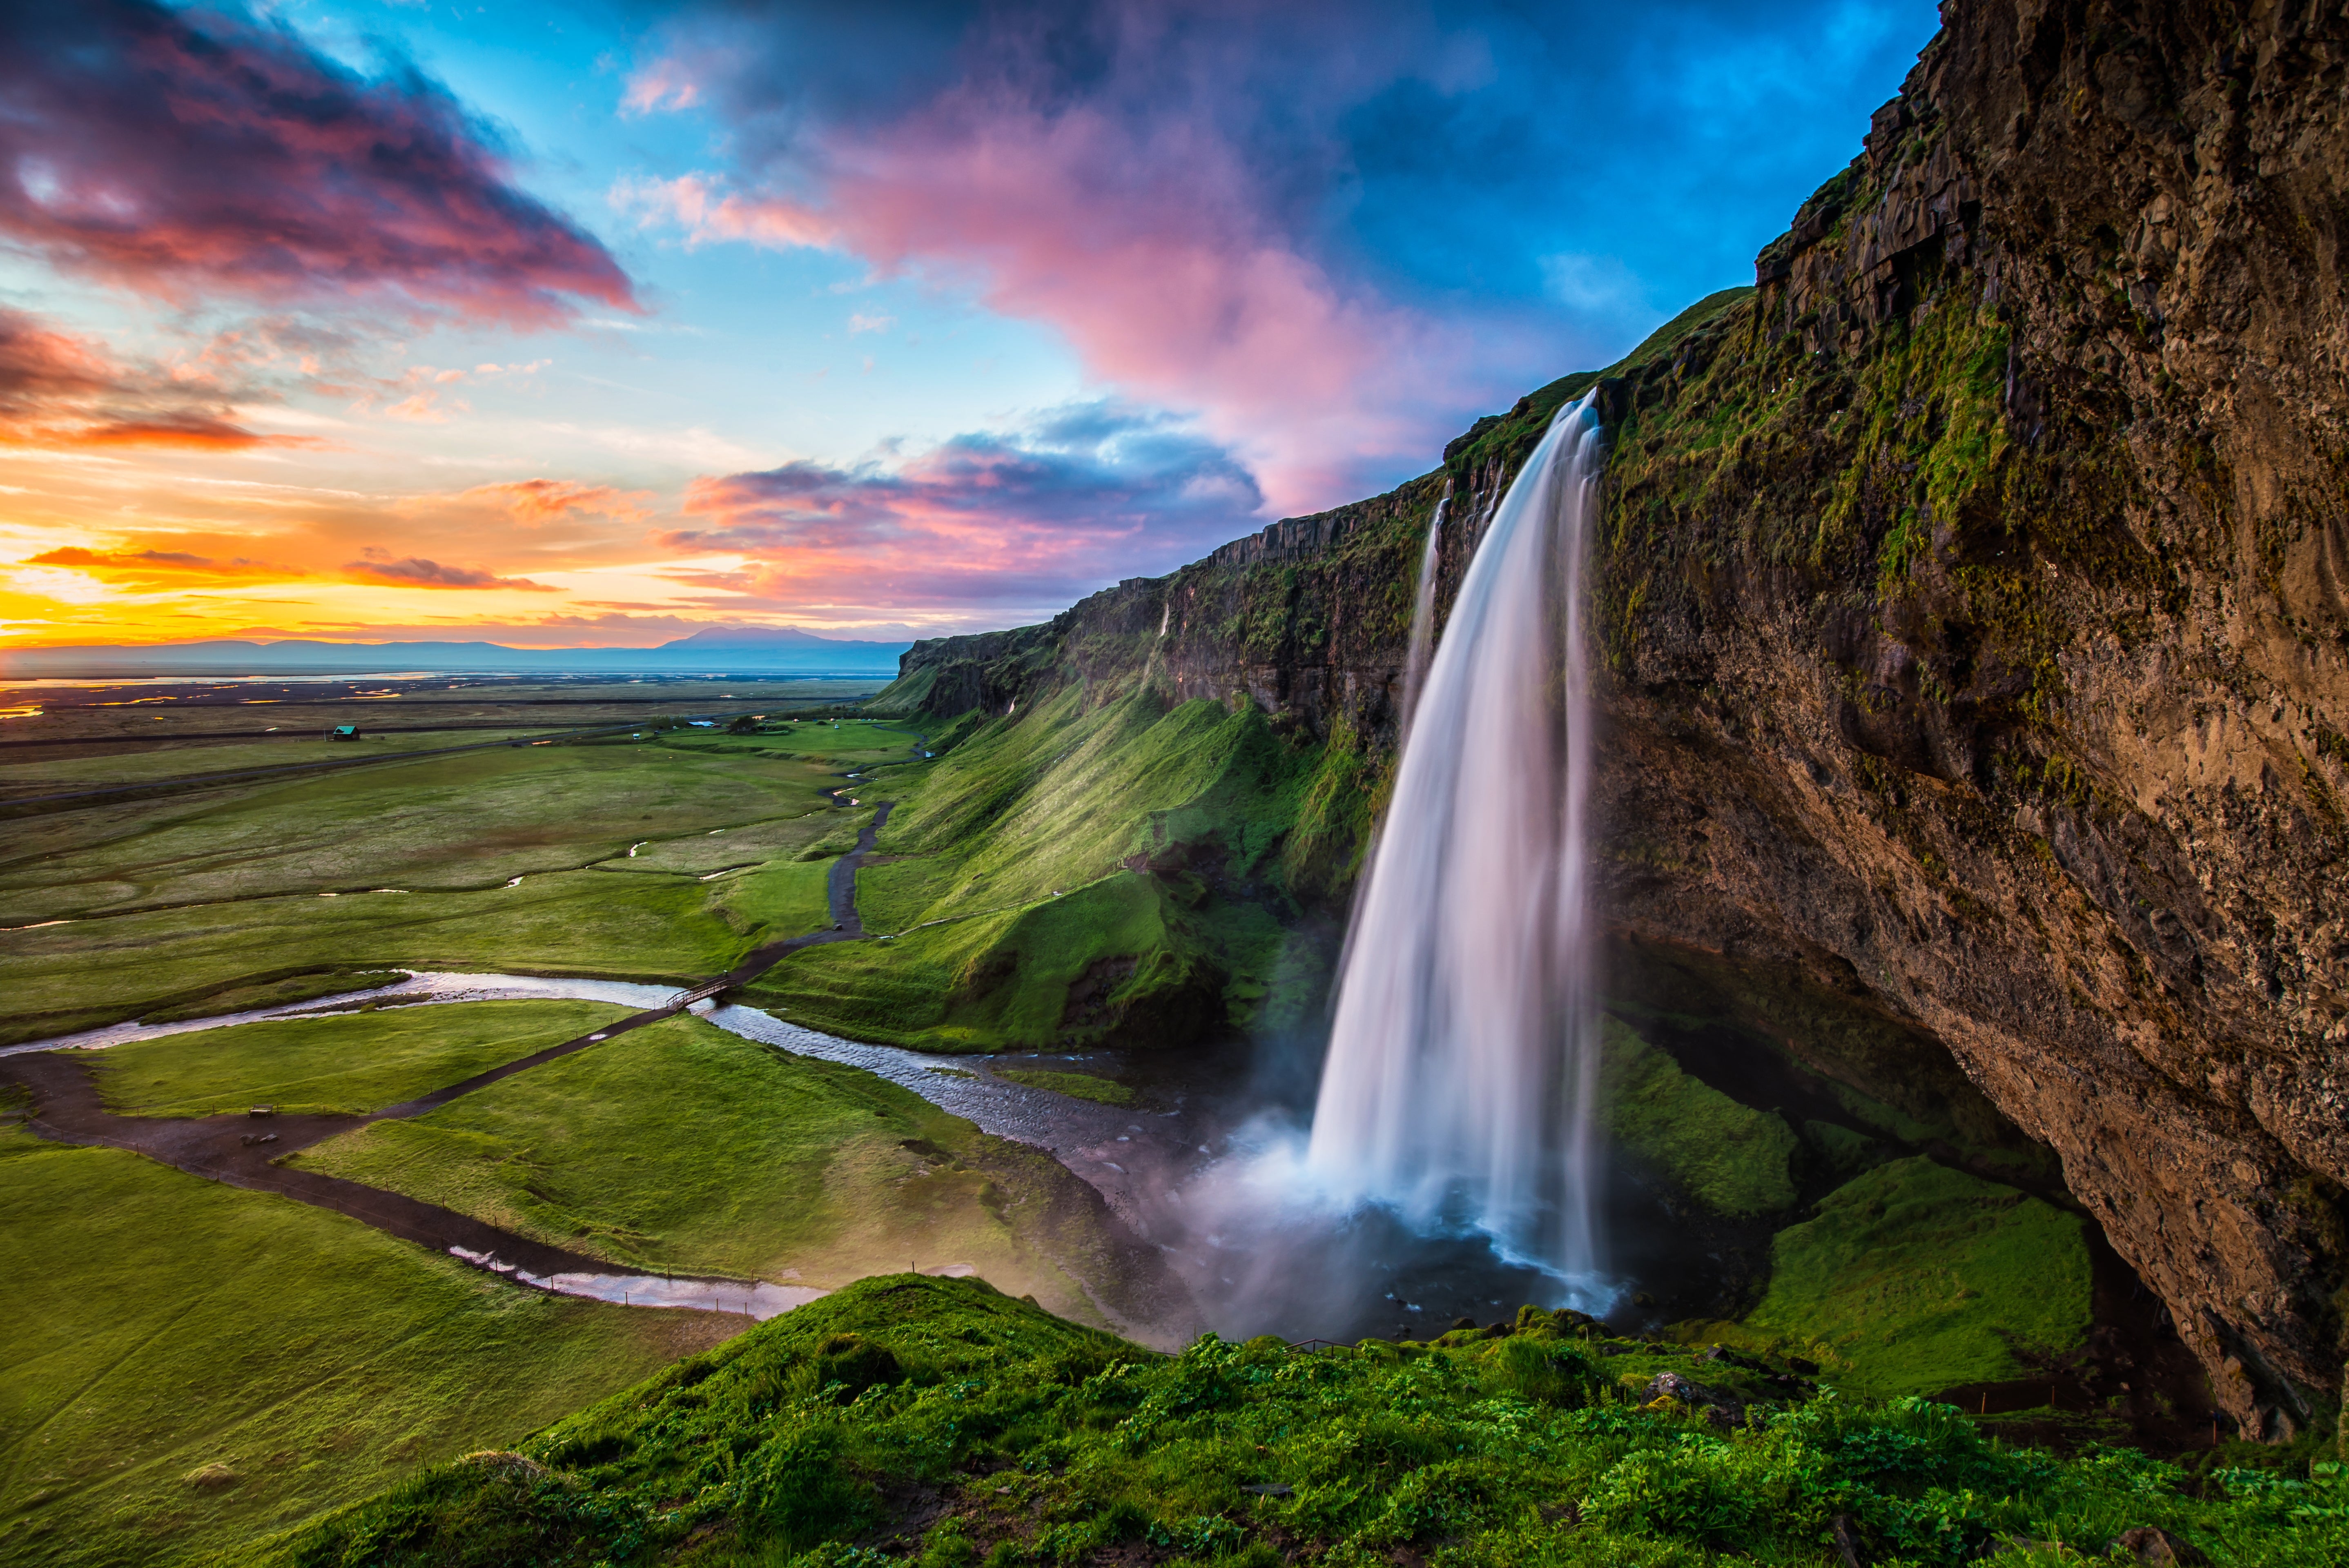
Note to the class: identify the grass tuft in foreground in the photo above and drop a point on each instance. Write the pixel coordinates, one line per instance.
(939, 1423)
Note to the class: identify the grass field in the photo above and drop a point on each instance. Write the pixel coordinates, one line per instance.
(184, 1366)
(680, 1147)
(1132, 958)
(135, 908)
(472, 820)
(36, 775)
(87, 973)
(357, 1062)
(959, 1427)
(1063, 796)
(1128, 873)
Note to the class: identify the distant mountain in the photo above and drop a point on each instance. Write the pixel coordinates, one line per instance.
(718, 650)
(748, 637)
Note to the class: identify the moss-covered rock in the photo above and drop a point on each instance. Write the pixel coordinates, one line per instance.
(1729, 1158)
(1914, 1278)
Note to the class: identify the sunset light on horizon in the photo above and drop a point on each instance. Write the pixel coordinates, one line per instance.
(366, 321)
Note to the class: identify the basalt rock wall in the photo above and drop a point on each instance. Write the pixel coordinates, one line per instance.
(1975, 601)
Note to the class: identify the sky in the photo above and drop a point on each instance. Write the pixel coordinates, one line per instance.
(593, 325)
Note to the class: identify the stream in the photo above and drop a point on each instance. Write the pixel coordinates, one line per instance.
(1194, 1133)
(1110, 1147)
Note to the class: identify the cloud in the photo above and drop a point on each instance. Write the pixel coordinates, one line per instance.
(60, 392)
(414, 571)
(706, 211)
(154, 566)
(187, 153)
(1030, 516)
(1333, 266)
(534, 501)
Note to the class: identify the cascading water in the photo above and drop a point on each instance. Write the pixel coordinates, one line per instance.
(1464, 1059)
(1422, 614)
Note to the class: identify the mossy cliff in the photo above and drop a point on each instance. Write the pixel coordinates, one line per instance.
(1975, 606)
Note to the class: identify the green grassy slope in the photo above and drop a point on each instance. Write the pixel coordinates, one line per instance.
(356, 1062)
(939, 1423)
(1119, 870)
(184, 1366)
(684, 1149)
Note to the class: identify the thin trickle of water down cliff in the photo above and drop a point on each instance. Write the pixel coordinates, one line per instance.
(1973, 611)
(1463, 1054)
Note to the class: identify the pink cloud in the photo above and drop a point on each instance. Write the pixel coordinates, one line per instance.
(706, 211)
(1109, 173)
(60, 392)
(534, 501)
(1170, 288)
(1032, 518)
(188, 154)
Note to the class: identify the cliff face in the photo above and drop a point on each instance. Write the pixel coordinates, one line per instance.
(1976, 606)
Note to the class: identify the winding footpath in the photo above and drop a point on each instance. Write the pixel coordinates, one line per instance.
(249, 1153)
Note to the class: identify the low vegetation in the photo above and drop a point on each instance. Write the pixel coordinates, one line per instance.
(683, 1148)
(1727, 1157)
(1080, 1086)
(1917, 1276)
(186, 1366)
(939, 1423)
(192, 900)
(1121, 870)
(352, 1062)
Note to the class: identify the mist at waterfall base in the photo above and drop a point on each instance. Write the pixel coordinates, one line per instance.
(1450, 1168)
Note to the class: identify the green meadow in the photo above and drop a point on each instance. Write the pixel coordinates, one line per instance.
(185, 1367)
(134, 908)
(177, 761)
(351, 1062)
(682, 1148)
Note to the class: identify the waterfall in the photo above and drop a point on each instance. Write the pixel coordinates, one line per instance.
(1464, 1059)
(1422, 614)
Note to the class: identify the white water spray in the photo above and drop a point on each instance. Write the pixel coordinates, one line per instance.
(1464, 1062)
